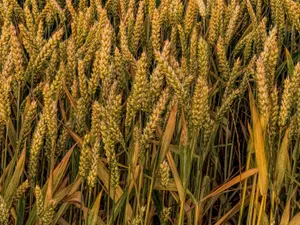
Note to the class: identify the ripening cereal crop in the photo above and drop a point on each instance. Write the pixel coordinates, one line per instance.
(148, 112)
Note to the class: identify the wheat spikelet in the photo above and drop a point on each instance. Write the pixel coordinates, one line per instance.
(289, 96)
(249, 45)
(164, 171)
(251, 12)
(45, 52)
(138, 27)
(37, 143)
(138, 219)
(262, 88)
(85, 157)
(17, 54)
(175, 12)
(106, 138)
(62, 140)
(273, 10)
(242, 42)
(137, 99)
(214, 24)
(82, 80)
(171, 76)
(202, 8)
(260, 35)
(81, 112)
(193, 62)
(114, 172)
(182, 70)
(71, 10)
(17, 12)
(49, 111)
(123, 9)
(29, 19)
(153, 121)
(274, 114)
(228, 11)
(155, 31)
(182, 38)
(5, 99)
(48, 214)
(231, 25)
(208, 130)
(93, 38)
(112, 131)
(269, 57)
(203, 57)
(83, 4)
(53, 66)
(190, 16)
(8, 67)
(71, 63)
(156, 83)
(48, 13)
(39, 201)
(28, 41)
(119, 69)
(295, 83)
(114, 106)
(227, 102)
(107, 83)
(52, 127)
(165, 214)
(292, 9)
(91, 179)
(4, 105)
(222, 59)
(4, 212)
(233, 76)
(26, 126)
(95, 78)
(286, 103)
(4, 41)
(280, 21)
(127, 56)
(151, 8)
(95, 127)
(129, 19)
(200, 107)
(57, 84)
(105, 51)
(258, 10)
(8, 7)
(84, 21)
(21, 190)
(35, 9)
(39, 39)
(164, 11)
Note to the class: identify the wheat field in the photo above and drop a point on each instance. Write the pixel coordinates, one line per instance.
(150, 112)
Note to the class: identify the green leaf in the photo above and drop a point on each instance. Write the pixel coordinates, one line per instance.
(92, 217)
(15, 180)
(289, 62)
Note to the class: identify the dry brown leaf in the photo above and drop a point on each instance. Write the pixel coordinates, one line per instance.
(232, 182)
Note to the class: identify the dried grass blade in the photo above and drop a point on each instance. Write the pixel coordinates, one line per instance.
(295, 220)
(176, 176)
(168, 134)
(232, 182)
(259, 147)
